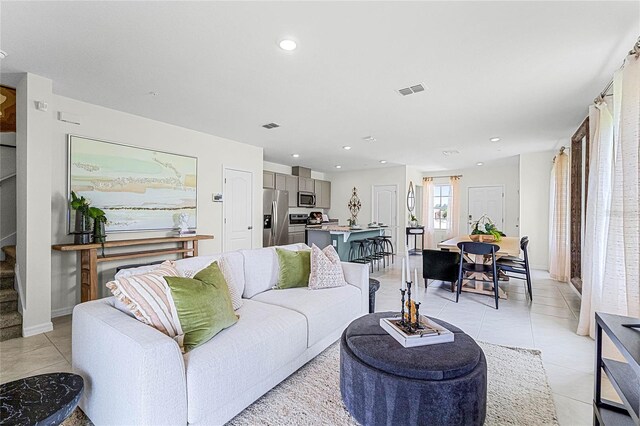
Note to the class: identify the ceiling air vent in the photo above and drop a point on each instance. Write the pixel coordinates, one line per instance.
(270, 125)
(411, 90)
(450, 152)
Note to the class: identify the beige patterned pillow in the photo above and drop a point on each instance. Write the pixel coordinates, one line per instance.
(148, 297)
(236, 295)
(326, 269)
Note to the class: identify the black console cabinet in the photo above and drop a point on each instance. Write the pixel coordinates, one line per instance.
(624, 332)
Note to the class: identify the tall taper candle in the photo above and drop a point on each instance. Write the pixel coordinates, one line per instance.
(415, 277)
(404, 278)
(408, 271)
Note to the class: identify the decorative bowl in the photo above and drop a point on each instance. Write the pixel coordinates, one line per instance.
(482, 238)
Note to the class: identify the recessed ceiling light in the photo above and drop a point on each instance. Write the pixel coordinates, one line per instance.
(346, 147)
(295, 155)
(338, 167)
(3, 54)
(495, 139)
(383, 161)
(479, 163)
(154, 93)
(288, 45)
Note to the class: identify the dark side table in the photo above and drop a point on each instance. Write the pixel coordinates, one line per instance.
(46, 399)
(374, 285)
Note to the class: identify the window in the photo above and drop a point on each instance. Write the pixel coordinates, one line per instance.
(441, 201)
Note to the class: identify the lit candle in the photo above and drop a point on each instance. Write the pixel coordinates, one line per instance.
(404, 278)
(415, 276)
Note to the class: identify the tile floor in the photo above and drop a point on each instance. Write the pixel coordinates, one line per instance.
(547, 324)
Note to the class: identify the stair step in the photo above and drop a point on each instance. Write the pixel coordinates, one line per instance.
(6, 269)
(10, 332)
(7, 283)
(8, 295)
(10, 253)
(10, 319)
(10, 306)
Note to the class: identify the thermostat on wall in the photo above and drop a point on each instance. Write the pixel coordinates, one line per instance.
(217, 198)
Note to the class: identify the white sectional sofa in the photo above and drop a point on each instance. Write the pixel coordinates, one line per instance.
(136, 375)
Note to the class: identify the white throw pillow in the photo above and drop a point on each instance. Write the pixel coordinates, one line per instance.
(326, 269)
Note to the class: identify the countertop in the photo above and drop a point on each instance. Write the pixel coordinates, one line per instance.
(342, 229)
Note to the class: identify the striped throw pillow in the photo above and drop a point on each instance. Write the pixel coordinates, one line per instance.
(148, 297)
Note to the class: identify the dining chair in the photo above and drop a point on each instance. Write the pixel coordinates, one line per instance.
(482, 269)
(440, 265)
(519, 267)
(517, 258)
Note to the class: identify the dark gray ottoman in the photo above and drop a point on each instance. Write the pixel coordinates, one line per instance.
(383, 383)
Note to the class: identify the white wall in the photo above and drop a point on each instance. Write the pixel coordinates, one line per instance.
(342, 184)
(213, 154)
(7, 190)
(503, 172)
(535, 177)
(34, 149)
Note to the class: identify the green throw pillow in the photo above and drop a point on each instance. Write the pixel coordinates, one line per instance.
(203, 304)
(295, 267)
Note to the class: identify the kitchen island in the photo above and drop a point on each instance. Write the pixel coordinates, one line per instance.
(340, 237)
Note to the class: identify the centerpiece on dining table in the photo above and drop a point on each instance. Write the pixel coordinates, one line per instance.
(412, 329)
(485, 231)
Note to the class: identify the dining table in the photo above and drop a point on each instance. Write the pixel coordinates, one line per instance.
(474, 282)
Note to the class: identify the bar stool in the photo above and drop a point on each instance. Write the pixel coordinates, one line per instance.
(374, 252)
(387, 247)
(357, 252)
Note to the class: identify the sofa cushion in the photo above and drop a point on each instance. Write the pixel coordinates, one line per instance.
(294, 268)
(203, 305)
(326, 268)
(148, 297)
(261, 268)
(325, 310)
(265, 339)
(189, 266)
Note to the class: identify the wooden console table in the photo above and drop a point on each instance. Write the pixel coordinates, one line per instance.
(89, 257)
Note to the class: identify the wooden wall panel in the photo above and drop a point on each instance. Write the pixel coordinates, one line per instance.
(576, 199)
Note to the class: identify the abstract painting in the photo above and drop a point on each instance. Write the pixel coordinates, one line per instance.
(139, 189)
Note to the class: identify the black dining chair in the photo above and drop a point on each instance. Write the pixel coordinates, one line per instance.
(516, 258)
(440, 265)
(478, 249)
(518, 266)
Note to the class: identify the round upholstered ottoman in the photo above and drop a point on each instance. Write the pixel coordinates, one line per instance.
(383, 383)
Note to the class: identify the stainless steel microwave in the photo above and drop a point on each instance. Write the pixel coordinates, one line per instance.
(306, 199)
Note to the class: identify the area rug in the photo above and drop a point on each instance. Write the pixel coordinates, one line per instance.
(518, 393)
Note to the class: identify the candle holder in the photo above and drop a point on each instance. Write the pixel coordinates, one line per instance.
(407, 324)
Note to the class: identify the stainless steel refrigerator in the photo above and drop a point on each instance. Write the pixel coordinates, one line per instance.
(275, 207)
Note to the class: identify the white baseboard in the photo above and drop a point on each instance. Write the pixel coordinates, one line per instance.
(61, 312)
(37, 329)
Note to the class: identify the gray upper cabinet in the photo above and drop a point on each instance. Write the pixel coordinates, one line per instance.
(323, 194)
(306, 184)
(291, 185)
(268, 180)
(281, 182)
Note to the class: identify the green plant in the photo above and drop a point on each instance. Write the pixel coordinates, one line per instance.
(485, 226)
(96, 214)
(413, 217)
(79, 203)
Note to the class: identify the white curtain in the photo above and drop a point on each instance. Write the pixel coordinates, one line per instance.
(559, 242)
(427, 212)
(611, 250)
(453, 215)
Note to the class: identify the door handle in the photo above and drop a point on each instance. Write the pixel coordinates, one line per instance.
(250, 228)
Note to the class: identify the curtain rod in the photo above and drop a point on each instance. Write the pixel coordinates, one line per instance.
(436, 177)
(634, 51)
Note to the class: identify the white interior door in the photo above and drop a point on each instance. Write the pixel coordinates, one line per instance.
(385, 209)
(238, 219)
(486, 200)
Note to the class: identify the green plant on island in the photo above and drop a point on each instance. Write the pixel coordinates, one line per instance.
(485, 226)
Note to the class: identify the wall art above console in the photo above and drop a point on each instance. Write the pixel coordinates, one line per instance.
(139, 189)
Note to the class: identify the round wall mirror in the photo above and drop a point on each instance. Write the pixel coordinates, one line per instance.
(411, 198)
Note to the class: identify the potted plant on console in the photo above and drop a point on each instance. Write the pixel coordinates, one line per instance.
(99, 219)
(82, 230)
